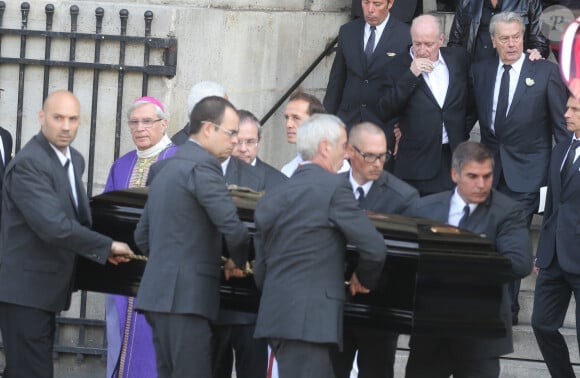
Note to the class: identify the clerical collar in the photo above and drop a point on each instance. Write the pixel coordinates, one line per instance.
(156, 149)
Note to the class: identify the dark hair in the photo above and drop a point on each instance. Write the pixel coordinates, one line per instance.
(470, 151)
(314, 104)
(247, 116)
(209, 109)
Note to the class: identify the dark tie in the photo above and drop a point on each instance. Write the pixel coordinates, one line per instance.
(464, 218)
(361, 194)
(370, 44)
(502, 98)
(569, 162)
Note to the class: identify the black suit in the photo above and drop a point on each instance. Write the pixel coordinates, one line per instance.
(179, 292)
(181, 136)
(522, 148)
(302, 230)
(42, 232)
(557, 258)
(240, 173)
(235, 329)
(272, 176)
(422, 161)
(7, 145)
(376, 349)
(502, 221)
(354, 86)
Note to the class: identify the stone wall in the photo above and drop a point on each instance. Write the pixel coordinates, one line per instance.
(257, 49)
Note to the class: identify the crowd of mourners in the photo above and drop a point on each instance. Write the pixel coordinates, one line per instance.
(391, 135)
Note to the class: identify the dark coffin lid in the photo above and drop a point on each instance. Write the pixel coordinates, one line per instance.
(427, 287)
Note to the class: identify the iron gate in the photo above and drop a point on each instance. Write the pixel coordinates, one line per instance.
(166, 47)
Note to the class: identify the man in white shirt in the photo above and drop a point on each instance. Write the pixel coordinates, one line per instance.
(427, 90)
(299, 108)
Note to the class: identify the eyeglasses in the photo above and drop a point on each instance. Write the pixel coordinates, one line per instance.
(231, 133)
(371, 158)
(147, 122)
(248, 142)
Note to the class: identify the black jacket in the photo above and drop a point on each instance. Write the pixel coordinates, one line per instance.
(468, 15)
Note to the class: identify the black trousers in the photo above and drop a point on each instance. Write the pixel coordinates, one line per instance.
(376, 353)
(28, 337)
(554, 288)
(251, 354)
(182, 344)
(529, 202)
(435, 361)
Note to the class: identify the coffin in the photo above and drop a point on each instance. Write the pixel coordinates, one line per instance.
(437, 280)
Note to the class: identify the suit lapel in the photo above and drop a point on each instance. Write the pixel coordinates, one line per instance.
(490, 73)
(383, 44)
(452, 71)
(82, 209)
(521, 88)
(555, 174)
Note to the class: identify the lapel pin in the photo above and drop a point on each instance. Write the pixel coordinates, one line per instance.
(530, 82)
(391, 54)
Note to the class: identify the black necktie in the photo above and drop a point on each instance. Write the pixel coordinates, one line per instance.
(502, 98)
(464, 218)
(361, 194)
(569, 162)
(370, 47)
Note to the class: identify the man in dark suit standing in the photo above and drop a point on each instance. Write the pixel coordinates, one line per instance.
(234, 330)
(357, 77)
(476, 207)
(248, 146)
(557, 256)
(378, 191)
(179, 292)
(5, 157)
(520, 106)
(302, 231)
(428, 90)
(45, 224)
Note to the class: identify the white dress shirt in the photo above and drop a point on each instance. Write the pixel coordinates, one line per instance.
(378, 32)
(438, 82)
(514, 73)
(70, 171)
(456, 209)
(366, 187)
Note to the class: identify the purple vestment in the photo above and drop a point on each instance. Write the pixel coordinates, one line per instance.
(130, 351)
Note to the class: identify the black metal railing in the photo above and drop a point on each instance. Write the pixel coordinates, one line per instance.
(166, 47)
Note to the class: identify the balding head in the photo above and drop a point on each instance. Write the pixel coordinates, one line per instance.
(60, 118)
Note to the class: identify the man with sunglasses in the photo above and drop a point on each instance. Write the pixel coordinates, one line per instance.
(378, 191)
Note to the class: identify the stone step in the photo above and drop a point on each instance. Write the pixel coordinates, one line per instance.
(69, 366)
(525, 344)
(510, 367)
(526, 299)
